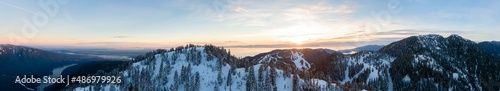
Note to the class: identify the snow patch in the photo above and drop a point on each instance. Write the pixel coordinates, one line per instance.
(299, 61)
(157, 64)
(390, 84)
(87, 88)
(406, 78)
(125, 73)
(455, 76)
(373, 75)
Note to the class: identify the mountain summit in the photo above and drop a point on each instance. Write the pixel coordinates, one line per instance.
(424, 62)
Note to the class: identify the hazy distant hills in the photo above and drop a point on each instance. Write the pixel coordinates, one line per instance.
(21, 59)
(424, 62)
(10, 53)
(362, 48)
(118, 54)
(491, 47)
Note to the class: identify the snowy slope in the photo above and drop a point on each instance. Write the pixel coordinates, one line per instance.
(365, 69)
(424, 62)
(299, 61)
(287, 57)
(176, 70)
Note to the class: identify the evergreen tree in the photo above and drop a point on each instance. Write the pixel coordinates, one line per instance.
(250, 83)
(233, 70)
(220, 63)
(187, 79)
(295, 83)
(174, 57)
(273, 78)
(183, 74)
(260, 81)
(219, 78)
(168, 67)
(146, 80)
(198, 58)
(216, 87)
(197, 81)
(163, 74)
(176, 81)
(229, 78)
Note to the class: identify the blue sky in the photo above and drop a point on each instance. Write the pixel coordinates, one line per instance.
(336, 24)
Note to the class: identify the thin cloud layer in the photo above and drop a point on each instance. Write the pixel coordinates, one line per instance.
(250, 23)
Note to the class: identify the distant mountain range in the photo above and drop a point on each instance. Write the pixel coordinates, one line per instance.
(362, 48)
(491, 47)
(119, 54)
(424, 62)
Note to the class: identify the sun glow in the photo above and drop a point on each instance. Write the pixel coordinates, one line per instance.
(302, 39)
(298, 41)
(298, 34)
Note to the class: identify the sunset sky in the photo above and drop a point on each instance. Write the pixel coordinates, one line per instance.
(335, 24)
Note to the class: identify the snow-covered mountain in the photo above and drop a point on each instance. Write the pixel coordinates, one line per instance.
(425, 62)
(194, 68)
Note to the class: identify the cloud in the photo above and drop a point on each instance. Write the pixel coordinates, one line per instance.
(270, 13)
(221, 43)
(352, 43)
(415, 32)
(396, 33)
(104, 43)
(125, 45)
(447, 15)
(297, 21)
(358, 38)
(240, 10)
(344, 9)
(261, 46)
(323, 44)
(122, 37)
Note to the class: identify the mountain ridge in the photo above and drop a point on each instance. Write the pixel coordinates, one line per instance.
(423, 62)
